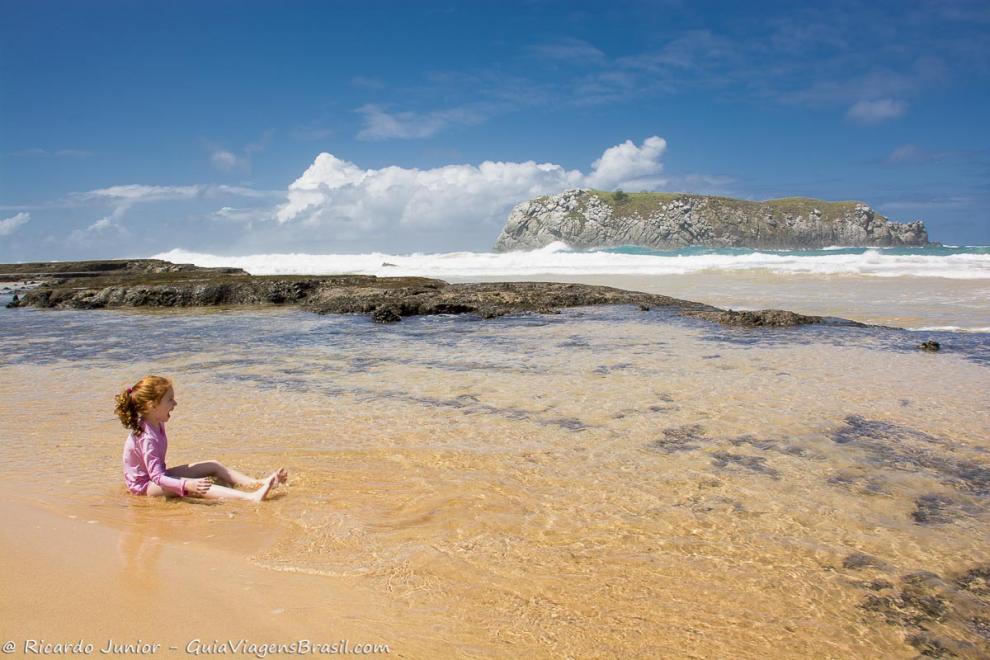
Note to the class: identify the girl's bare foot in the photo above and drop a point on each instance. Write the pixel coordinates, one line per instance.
(266, 486)
(281, 474)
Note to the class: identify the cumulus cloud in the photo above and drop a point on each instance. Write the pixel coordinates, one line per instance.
(9, 225)
(872, 112)
(355, 202)
(626, 165)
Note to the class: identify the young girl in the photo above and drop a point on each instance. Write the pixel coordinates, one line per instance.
(144, 409)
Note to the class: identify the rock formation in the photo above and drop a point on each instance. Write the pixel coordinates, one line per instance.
(151, 283)
(590, 218)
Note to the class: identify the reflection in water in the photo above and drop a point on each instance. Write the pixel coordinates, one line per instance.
(139, 553)
(601, 482)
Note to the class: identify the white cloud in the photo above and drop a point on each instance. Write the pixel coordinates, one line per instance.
(121, 198)
(9, 225)
(569, 49)
(134, 193)
(227, 160)
(354, 202)
(381, 125)
(245, 215)
(872, 112)
(142, 193)
(367, 82)
(907, 153)
(626, 165)
(224, 160)
(61, 153)
(102, 230)
(101, 224)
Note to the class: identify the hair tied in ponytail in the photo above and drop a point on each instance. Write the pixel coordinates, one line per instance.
(135, 401)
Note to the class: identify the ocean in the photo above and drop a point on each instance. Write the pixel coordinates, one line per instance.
(943, 288)
(599, 482)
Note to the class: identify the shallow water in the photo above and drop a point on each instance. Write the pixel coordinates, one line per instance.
(922, 304)
(600, 482)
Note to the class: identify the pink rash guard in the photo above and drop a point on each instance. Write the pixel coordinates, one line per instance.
(144, 462)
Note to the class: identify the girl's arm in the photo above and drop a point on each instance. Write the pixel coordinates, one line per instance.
(154, 461)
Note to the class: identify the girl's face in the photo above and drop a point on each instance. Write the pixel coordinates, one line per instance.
(161, 411)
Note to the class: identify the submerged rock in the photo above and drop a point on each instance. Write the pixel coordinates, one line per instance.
(858, 560)
(940, 617)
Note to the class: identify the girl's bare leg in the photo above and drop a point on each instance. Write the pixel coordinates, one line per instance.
(220, 471)
(223, 493)
(217, 492)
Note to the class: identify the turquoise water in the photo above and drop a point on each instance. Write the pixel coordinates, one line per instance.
(928, 251)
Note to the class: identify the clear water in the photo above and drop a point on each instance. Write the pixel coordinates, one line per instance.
(599, 482)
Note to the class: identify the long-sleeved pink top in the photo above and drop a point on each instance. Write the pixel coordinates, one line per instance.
(144, 462)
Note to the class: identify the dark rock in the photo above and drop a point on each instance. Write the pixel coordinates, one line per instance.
(386, 315)
(680, 438)
(878, 585)
(932, 646)
(924, 603)
(859, 483)
(858, 560)
(931, 346)
(976, 581)
(776, 318)
(758, 464)
(154, 283)
(934, 510)
(905, 449)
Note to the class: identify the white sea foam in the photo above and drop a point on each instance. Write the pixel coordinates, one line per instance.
(947, 328)
(557, 259)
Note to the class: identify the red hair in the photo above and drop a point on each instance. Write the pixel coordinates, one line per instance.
(135, 401)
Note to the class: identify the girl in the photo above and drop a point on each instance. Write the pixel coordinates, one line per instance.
(144, 409)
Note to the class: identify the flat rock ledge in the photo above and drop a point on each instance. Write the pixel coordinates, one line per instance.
(152, 283)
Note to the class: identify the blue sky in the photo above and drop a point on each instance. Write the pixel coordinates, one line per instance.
(130, 128)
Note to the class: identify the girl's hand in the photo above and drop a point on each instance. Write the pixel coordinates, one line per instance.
(197, 487)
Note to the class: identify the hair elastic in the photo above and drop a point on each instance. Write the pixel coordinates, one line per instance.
(129, 390)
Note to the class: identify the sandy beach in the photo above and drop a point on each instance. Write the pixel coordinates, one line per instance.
(598, 482)
(69, 579)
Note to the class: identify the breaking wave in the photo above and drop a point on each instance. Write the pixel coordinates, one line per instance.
(558, 259)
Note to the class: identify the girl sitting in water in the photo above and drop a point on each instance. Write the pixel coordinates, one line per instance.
(144, 409)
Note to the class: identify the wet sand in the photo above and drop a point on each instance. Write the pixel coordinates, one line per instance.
(592, 484)
(67, 579)
(904, 302)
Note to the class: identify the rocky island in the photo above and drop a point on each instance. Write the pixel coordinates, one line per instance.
(591, 218)
(155, 283)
